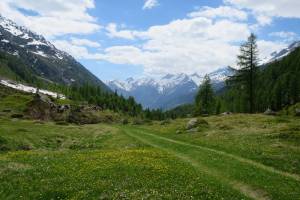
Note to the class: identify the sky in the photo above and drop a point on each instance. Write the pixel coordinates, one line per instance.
(117, 39)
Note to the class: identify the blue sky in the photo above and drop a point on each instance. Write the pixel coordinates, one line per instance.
(117, 39)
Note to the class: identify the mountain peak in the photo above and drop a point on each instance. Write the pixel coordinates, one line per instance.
(168, 76)
(42, 58)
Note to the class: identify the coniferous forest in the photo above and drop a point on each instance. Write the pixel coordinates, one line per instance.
(255, 88)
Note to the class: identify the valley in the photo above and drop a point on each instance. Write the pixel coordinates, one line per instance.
(139, 100)
(152, 160)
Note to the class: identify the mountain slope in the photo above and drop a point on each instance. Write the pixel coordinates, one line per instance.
(40, 58)
(280, 83)
(168, 91)
(276, 56)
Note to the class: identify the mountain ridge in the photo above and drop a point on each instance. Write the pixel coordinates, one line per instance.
(167, 91)
(42, 58)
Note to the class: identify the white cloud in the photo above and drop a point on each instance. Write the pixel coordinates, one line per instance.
(54, 17)
(149, 4)
(268, 47)
(114, 33)
(185, 45)
(85, 42)
(285, 35)
(276, 8)
(77, 51)
(265, 10)
(222, 11)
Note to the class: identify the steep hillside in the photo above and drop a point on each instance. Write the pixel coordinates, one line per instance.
(279, 82)
(38, 57)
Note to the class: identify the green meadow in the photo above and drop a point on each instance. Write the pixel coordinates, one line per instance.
(233, 157)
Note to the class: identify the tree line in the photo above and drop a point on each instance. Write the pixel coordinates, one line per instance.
(253, 88)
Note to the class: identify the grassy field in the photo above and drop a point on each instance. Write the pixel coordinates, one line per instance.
(234, 157)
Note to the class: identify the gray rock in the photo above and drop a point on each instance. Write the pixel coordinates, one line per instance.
(62, 108)
(193, 130)
(297, 112)
(193, 123)
(269, 112)
(226, 113)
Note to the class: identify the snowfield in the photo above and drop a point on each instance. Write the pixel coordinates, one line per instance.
(29, 89)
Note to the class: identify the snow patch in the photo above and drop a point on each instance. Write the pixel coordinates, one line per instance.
(40, 53)
(29, 89)
(35, 42)
(5, 41)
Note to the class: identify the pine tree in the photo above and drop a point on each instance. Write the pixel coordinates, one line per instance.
(205, 97)
(246, 74)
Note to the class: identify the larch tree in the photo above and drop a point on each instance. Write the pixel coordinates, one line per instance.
(248, 67)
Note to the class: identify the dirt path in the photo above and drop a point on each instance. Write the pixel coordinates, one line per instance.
(244, 160)
(198, 155)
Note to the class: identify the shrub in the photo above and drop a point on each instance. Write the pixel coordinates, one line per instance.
(125, 121)
(18, 116)
(3, 144)
(63, 123)
(24, 147)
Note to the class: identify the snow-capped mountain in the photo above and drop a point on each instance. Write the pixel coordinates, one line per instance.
(167, 91)
(41, 58)
(276, 56)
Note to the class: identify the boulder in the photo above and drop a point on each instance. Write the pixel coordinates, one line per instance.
(226, 113)
(297, 112)
(40, 107)
(269, 112)
(195, 123)
(62, 108)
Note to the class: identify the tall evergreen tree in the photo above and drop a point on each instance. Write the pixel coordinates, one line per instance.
(205, 97)
(246, 75)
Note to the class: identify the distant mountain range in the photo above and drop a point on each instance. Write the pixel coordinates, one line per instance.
(172, 90)
(276, 56)
(40, 58)
(168, 91)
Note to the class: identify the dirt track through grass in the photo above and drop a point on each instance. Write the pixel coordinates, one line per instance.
(251, 178)
(248, 161)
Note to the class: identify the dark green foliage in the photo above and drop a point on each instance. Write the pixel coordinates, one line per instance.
(245, 78)
(156, 114)
(106, 100)
(205, 101)
(17, 115)
(280, 83)
(181, 111)
(13, 68)
(278, 86)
